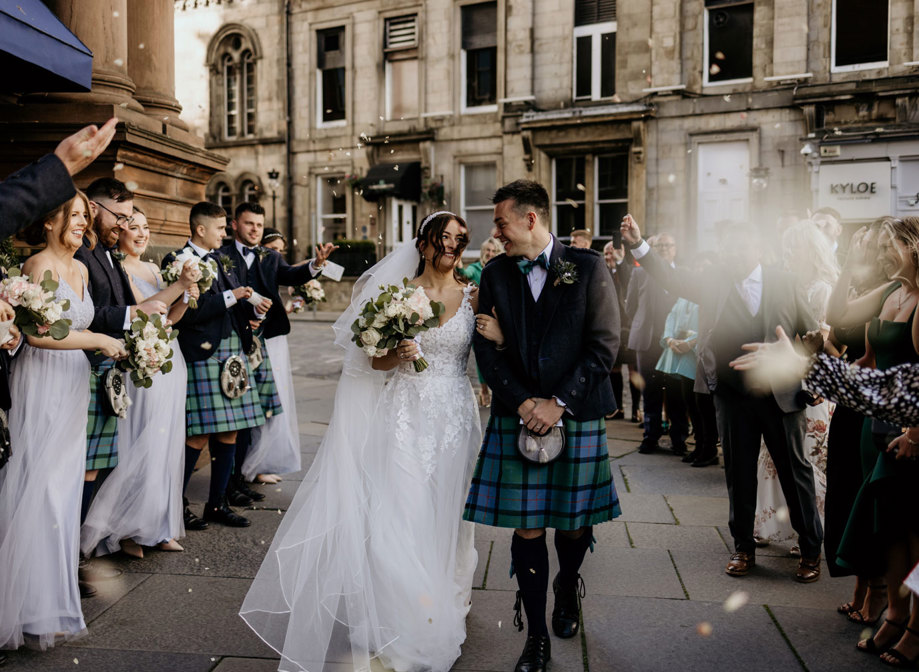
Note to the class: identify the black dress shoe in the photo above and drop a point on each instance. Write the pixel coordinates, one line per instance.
(237, 497)
(648, 447)
(705, 461)
(240, 485)
(192, 522)
(566, 614)
(535, 656)
(224, 515)
(678, 449)
(691, 456)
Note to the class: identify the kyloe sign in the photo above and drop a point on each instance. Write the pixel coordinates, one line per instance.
(856, 190)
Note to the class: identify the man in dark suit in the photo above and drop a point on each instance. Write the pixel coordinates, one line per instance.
(212, 332)
(743, 302)
(620, 267)
(263, 270)
(556, 306)
(648, 304)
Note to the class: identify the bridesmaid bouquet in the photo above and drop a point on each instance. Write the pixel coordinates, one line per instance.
(38, 312)
(309, 293)
(207, 267)
(149, 346)
(397, 313)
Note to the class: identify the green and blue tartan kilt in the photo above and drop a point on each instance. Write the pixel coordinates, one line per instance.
(101, 427)
(267, 388)
(574, 491)
(207, 410)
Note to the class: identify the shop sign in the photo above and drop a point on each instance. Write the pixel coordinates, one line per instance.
(856, 190)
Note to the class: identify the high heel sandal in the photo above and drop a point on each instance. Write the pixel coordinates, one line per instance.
(871, 646)
(132, 548)
(856, 616)
(846, 609)
(900, 659)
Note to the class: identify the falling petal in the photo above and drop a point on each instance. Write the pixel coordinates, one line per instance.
(879, 130)
(719, 55)
(743, 115)
(76, 661)
(778, 124)
(115, 14)
(735, 601)
(118, 166)
(637, 380)
(197, 561)
(119, 62)
(499, 624)
(581, 187)
(671, 178)
(189, 590)
(727, 97)
(140, 46)
(781, 514)
(714, 69)
(122, 105)
(268, 414)
(206, 346)
(570, 201)
(866, 633)
(651, 42)
(704, 629)
(132, 186)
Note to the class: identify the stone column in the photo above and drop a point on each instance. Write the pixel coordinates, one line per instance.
(151, 58)
(102, 25)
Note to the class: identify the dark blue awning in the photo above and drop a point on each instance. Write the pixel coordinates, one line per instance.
(38, 53)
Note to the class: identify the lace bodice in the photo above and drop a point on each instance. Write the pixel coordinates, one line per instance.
(446, 348)
(80, 312)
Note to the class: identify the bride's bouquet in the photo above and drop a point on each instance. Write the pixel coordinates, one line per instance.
(149, 346)
(207, 267)
(38, 312)
(397, 313)
(309, 293)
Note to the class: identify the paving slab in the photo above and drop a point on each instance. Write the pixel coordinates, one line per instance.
(109, 592)
(625, 633)
(824, 639)
(699, 510)
(247, 665)
(681, 537)
(675, 479)
(611, 535)
(182, 614)
(73, 659)
(619, 448)
(493, 643)
(644, 508)
(770, 582)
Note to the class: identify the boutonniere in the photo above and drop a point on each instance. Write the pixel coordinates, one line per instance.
(118, 256)
(226, 263)
(261, 252)
(565, 272)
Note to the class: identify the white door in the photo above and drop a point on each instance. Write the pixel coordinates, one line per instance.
(723, 183)
(402, 216)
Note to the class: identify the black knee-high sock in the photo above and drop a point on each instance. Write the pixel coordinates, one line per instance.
(570, 556)
(191, 459)
(221, 467)
(89, 489)
(243, 439)
(531, 564)
(636, 395)
(616, 379)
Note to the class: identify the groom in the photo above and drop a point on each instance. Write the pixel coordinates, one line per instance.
(557, 308)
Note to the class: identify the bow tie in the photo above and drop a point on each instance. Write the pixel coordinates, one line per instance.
(525, 265)
(248, 250)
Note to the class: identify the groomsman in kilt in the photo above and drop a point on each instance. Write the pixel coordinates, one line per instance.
(211, 334)
(112, 205)
(557, 308)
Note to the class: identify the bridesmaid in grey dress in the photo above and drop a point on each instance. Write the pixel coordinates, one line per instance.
(41, 485)
(140, 503)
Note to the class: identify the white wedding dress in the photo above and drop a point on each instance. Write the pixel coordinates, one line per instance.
(41, 487)
(142, 498)
(373, 559)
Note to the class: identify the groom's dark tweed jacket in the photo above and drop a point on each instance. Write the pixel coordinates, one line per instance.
(563, 345)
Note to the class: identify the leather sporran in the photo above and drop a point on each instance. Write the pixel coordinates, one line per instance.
(255, 355)
(115, 395)
(543, 449)
(6, 451)
(234, 379)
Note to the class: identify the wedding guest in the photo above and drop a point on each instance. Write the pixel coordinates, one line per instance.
(829, 221)
(737, 312)
(211, 334)
(648, 304)
(581, 238)
(140, 503)
(620, 271)
(808, 253)
(880, 536)
(40, 487)
(491, 248)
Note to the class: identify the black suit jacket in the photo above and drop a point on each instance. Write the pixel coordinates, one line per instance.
(32, 192)
(268, 272)
(648, 304)
(111, 292)
(205, 326)
(783, 303)
(578, 341)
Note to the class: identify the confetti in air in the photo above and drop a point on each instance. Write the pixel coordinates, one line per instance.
(781, 514)
(118, 166)
(714, 69)
(671, 178)
(704, 629)
(132, 186)
(119, 62)
(735, 601)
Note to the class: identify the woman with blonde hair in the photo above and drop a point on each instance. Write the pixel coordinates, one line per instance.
(807, 252)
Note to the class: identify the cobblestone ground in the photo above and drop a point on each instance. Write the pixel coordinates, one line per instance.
(656, 588)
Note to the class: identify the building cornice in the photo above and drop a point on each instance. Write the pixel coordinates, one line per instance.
(592, 114)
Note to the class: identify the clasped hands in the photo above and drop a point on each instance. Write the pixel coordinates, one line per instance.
(678, 346)
(540, 415)
(6, 314)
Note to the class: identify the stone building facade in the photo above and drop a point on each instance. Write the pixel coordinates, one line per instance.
(683, 112)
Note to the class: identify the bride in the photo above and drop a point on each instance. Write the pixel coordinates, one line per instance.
(373, 559)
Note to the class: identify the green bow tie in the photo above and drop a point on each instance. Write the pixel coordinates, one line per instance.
(525, 265)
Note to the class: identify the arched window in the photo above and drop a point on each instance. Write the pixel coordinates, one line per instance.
(225, 197)
(249, 192)
(232, 55)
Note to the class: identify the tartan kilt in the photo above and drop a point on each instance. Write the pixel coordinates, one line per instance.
(207, 410)
(101, 428)
(575, 491)
(267, 388)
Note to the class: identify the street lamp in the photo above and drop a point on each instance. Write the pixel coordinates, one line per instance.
(273, 184)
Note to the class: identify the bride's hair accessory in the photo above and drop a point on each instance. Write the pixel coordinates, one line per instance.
(427, 220)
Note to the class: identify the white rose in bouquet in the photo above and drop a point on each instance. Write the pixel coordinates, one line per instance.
(370, 337)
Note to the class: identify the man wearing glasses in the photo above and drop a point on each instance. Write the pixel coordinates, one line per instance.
(112, 205)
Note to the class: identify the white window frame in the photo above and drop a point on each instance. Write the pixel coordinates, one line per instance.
(320, 216)
(706, 65)
(597, 201)
(476, 208)
(230, 83)
(478, 109)
(855, 67)
(320, 107)
(595, 31)
(247, 62)
(588, 159)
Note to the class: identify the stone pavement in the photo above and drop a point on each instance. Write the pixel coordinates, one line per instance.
(655, 579)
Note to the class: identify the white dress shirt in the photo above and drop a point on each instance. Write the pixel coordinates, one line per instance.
(249, 258)
(536, 278)
(228, 299)
(751, 289)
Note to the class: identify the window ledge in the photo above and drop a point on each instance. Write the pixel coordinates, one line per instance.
(859, 66)
(482, 109)
(332, 124)
(244, 142)
(728, 82)
(789, 78)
